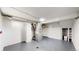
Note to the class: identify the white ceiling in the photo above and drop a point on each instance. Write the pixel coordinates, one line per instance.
(49, 12)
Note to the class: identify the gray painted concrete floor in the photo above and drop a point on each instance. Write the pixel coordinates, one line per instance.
(46, 44)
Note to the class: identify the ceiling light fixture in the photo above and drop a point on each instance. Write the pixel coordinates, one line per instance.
(42, 19)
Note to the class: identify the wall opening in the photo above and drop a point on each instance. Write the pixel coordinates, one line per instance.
(67, 34)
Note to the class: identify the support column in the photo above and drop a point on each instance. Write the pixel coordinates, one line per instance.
(39, 32)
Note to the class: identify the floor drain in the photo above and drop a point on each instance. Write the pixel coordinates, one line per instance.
(37, 47)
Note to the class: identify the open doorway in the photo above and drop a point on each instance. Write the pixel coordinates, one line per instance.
(64, 34)
(67, 34)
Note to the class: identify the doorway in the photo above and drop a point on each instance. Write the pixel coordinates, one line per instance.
(64, 34)
(67, 34)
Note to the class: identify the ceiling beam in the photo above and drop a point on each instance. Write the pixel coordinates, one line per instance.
(15, 13)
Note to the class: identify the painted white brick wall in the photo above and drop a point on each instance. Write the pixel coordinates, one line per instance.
(54, 30)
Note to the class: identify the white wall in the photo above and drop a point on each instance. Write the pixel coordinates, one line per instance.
(66, 23)
(76, 34)
(23, 32)
(26, 32)
(29, 33)
(1, 41)
(54, 30)
(11, 32)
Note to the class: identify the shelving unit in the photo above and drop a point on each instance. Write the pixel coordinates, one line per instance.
(67, 34)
